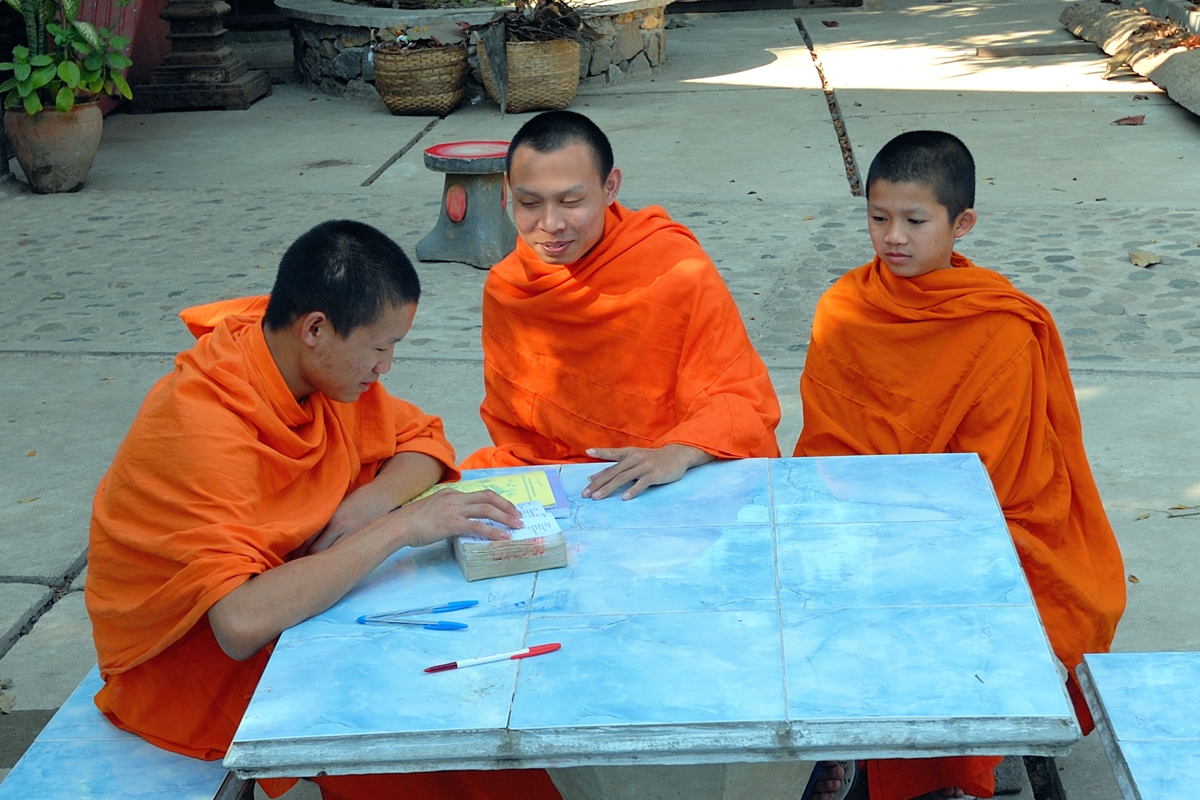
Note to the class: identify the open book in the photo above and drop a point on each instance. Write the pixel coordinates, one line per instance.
(538, 545)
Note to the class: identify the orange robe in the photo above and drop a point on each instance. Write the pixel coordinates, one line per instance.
(957, 360)
(637, 344)
(222, 476)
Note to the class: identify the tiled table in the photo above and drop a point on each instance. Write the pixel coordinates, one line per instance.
(756, 611)
(1147, 711)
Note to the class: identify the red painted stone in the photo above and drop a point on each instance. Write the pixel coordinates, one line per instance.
(504, 195)
(456, 203)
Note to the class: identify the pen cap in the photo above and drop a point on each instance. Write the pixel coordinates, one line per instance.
(538, 649)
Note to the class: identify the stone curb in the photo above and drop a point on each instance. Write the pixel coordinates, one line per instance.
(1116, 30)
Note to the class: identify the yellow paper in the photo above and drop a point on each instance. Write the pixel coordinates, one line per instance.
(525, 487)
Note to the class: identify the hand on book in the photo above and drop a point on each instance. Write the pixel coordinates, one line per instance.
(643, 466)
(445, 514)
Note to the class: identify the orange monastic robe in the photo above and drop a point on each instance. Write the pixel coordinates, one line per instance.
(222, 476)
(957, 360)
(637, 344)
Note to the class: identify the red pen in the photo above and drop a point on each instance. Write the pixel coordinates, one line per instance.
(535, 650)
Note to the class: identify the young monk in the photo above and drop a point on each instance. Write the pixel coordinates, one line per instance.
(258, 484)
(921, 351)
(608, 334)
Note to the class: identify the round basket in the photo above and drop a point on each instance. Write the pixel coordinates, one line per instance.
(425, 82)
(540, 74)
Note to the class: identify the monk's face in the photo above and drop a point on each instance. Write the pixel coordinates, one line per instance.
(559, 200)
(343, 367)
(911, 231)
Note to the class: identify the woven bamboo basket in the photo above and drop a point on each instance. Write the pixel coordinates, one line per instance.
(424, 82)
(540, 74)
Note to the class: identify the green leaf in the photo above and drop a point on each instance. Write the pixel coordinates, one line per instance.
(22, 71)
(6, 66)
(64, 101)
(88, 31)
(118, 61)
(43, 76)
(16, 4)
(93, 62)
(71, 7)
(11, 83)
(68, 71)
(21, 52)
(122, 86)
(32, 104)
(41, 61)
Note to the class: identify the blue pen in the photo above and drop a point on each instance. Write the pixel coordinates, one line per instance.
(397, 617)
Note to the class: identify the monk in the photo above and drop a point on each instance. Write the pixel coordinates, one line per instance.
(921, 351)
(260, 481)
(608, 334)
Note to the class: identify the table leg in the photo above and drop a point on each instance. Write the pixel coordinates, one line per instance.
(768, 781)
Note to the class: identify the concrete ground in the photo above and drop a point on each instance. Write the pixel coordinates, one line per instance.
(734, 136)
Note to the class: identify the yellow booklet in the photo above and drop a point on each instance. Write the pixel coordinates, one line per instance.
(523, 487)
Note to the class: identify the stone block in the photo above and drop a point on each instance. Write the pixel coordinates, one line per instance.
(347, 65)
(638, 67)
(603, 26)
(356, 37)
(652, 20)
(311, 38)
(361, 89)
(628, 42)
(615, 74)
(594, 81)
(327, 50)
(47, 663)
(601, 58)
(653, 46)
(19, 602)
(585, 58)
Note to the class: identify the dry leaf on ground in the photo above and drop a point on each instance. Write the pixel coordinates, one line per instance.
(829, 23)
(1133, 578)
(1143, 516)
(1136, 119)
(1143, 258)
(7, 701)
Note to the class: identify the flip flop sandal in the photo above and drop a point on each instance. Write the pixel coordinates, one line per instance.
(818, 774)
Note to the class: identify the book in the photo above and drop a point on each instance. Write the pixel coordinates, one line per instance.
(538, 545)
(541, 485)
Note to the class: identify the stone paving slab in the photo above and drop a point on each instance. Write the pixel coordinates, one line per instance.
(1047, 147)
(72, 412)
(292, 141)
(49, 662)
(19, 603)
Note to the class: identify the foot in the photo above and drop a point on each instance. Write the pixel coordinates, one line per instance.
(828, 782)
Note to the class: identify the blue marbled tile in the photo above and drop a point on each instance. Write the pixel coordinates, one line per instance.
(712, 495)
(81, 755)
(662, 569)
(881, 489)
(960, 562)
(1142, 692)
(652, 668)
(430, 576)
(106, 769)
(79, 718)
(1164, 770)
(328, 679)
(919, 663)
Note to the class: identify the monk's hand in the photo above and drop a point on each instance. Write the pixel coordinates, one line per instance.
(358, 509)
(643, 466)
(449, 513)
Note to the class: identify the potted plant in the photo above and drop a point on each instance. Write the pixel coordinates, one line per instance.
(529, 57)
(51, 116)
(416, 72)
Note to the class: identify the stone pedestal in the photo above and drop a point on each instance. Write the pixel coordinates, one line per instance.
(473, 225)
(770, 781)
(202, 71)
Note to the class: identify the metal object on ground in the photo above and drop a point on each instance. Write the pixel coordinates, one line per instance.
(473, 225)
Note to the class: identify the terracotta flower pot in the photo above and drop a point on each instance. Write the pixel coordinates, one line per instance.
(55, 150)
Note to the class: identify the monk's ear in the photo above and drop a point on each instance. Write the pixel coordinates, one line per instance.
(312, 327)
(612, 185)
(966, 220)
